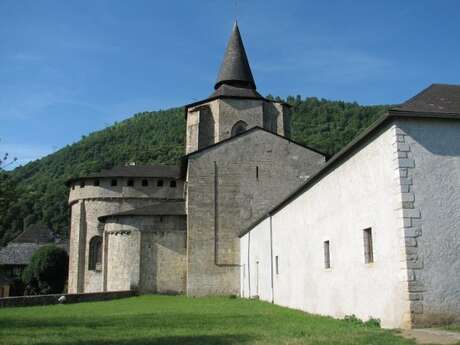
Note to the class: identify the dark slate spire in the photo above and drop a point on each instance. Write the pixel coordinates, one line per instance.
(235, 70)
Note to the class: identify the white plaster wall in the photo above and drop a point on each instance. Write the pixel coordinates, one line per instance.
(434, 186)
(256, 268)
(358, 194)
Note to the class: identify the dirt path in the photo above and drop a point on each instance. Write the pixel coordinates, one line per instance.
(432, 336)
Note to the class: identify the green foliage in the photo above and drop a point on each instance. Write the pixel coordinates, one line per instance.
(353, 319)
(154, 137)
(170, 320)
(46, 272)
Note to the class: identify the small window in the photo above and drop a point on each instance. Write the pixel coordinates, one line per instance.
(95, 254)
(73, 187)
(130, 183)
(160, 183)
(96, 183)
(327, 255)
(145, 183)
(277, 268)
(113, 183)
(257, 172)
(82, 184)
(368, 249)
(173, 184)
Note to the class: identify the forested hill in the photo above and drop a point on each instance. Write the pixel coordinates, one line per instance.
(154, 137)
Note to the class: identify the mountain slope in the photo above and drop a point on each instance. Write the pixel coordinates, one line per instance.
(155, 137)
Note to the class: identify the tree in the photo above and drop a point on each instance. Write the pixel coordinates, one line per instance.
(8, 194)
(46, 272)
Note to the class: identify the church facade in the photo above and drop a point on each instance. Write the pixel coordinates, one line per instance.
(371, 231)
(175, 229)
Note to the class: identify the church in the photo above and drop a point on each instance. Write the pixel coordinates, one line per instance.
(372, 231)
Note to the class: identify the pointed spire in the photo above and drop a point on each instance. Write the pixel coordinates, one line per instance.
(235, 70)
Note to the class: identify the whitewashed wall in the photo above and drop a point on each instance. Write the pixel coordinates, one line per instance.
(433, 186)
(360, 193)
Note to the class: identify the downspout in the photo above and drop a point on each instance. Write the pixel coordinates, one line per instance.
(249, 264)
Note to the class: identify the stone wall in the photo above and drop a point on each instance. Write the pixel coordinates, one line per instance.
(89, 203)
(28, 301)
(229, 187)
(212, 122)
(146, 253)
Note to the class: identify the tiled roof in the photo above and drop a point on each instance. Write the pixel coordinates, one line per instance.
(36, 233)
(162, 208)
(21, 253)
(235, 68)
(167, 171)
(437, 98)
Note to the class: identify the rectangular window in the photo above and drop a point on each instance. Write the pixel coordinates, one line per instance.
(327, 255)
(130, 183)
(257, 172)
(145, 183)
(96, 182)
(368, 249)
(113, 183)
(160, 183)
(277, 268)
(82, 184)
(172, 184)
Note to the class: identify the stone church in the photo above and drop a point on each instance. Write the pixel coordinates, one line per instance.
(372, 231)
(174, 229)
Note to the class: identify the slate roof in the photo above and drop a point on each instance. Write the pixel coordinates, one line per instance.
(235, 79)
(162, 208)
(235, 68)
(166, 171)
(18, 253)
(436, 99)
(21, 253)
(36, 233)
(436, 96)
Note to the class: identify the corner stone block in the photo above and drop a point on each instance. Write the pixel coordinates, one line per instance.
(406, 163)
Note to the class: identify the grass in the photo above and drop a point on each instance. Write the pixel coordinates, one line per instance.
(167, 320)
(453, 328)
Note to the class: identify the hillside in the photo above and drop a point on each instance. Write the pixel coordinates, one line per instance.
(154, 137)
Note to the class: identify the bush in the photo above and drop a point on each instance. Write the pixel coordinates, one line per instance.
(356, 321)
(46, 272)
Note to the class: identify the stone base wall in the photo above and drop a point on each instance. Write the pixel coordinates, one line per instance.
(28, 301)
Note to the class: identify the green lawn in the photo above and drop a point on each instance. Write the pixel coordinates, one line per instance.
(163, 320)
(454, 328)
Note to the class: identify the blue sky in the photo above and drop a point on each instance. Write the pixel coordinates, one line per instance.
(68, 68)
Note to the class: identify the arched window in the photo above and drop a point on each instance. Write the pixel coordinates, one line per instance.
(95, 254)
(239, 127)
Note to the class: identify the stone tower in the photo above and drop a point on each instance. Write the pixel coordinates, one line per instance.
(235, 105)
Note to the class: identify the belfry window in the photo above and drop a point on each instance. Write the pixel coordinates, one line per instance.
(239, 127)
(95, 254)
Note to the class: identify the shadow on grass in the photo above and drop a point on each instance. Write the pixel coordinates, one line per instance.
(166, 340)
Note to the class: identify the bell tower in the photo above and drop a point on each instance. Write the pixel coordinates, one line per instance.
(235, 105)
